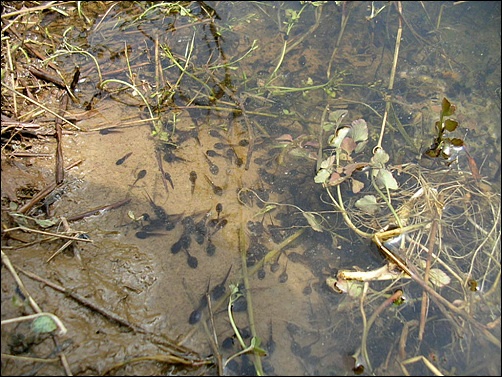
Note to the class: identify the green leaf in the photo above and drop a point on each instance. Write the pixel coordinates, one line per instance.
(450, 125)
(367, 204)
(46, 223)
(447, 108)
(43, 324)
(255, 343)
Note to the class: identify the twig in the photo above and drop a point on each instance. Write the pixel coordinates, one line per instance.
(392, 77)
(98, 210)
(10, 267)
(47, 233)
(174, 347)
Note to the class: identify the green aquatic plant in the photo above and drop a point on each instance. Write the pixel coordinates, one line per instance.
(445, 147)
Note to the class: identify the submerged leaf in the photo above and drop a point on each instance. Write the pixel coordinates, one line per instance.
(367, 204)
(43, 324)
(357, 186)
(337, 116)
(438, 277)
(359, 130)
(384, 178)
(336, 140)
(312, 221)
(447, 108)
(450, 125)
(380, 157)
(321, 176)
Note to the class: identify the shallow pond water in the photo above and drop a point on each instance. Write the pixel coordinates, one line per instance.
(197, 141)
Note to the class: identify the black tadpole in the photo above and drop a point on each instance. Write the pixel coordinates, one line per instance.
(193, 178)
(120, 161)
(191, 260)
(140, 175)
(219, 208)
(219, 289)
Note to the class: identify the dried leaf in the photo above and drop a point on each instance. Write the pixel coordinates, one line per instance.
(357, 186)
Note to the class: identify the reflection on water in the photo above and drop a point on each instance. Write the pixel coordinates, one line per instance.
(212, 123)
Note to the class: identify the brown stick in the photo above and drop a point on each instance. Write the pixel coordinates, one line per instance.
(175, 348)
(42, 194)
(98, 210)
(59, 140)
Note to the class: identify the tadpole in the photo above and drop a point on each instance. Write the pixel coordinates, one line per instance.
(216, 189)
(261, 273)
(191, 260)
(140, 175)
(283, 277)
(195, 316)
(144, 234)
(219, 208)
(275, 266)
(219, 290)
(213, 168)
(219, 225)
(120, 161)
(212, 153)
(193, 178)
(210, 248)
(176, 247)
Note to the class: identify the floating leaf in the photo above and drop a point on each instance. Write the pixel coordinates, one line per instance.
(312, 221)
(350, 168)
(359, 130)
(457, 142)
(384, 178)
(367, 204)
(43, 324)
